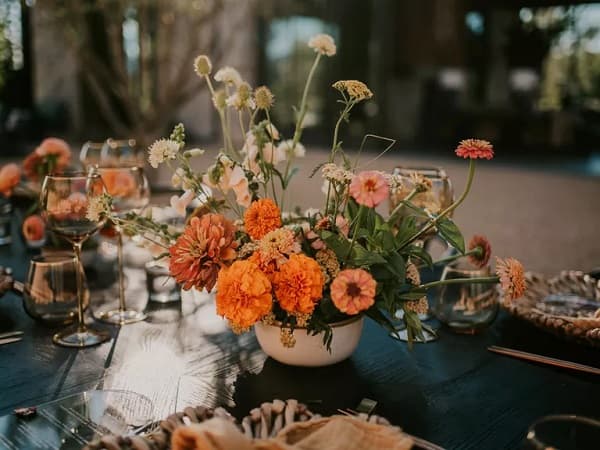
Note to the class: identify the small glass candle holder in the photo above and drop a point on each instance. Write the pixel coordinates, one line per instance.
(466, 307)
(5, 222)
(162, 287)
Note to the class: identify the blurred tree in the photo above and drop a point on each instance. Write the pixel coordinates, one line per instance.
(135, 56)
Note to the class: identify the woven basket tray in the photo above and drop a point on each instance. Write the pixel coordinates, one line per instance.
(567, 305)
(263, 422)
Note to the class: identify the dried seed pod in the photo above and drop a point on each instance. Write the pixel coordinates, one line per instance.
(290, 411)
(247, 427)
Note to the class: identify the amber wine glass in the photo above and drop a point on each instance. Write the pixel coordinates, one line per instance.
(130, 191)
(65, 200)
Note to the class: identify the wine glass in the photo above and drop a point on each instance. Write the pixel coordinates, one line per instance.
(65, 200)
(466, 307)
(91, 154)
(122, 152)
(129, 188)
(563, 431)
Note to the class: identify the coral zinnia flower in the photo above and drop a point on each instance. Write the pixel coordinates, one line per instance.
(512, 278)
(243, 294)
(482, 257)
(369, 188)
(262, 217)
(353, 291)
(475, 148)
(52, 155)
(299, 284)
(207, 244)
(10, 175)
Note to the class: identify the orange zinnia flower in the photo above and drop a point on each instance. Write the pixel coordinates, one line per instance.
(243, 294)
(262, 217)
(10, 175)
(482, 257)
(512, 278)
(206, 245)
(369, 188)
(475, 148)
(353, 291)
(299, 284)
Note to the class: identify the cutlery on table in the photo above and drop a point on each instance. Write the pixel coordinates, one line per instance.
(544, 359)
(10, 340)
(11, 334)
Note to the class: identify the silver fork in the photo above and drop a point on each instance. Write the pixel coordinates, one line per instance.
(10, 337)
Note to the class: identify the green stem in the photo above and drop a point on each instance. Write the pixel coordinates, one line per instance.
(490, 280)
(355, 231)
(400, 204)
(242, 124)
(432, 223)
(453, 257)
(302, 112)
(270, 133)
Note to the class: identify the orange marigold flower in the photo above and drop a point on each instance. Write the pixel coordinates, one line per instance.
(266, 265)
(206, 245)
(299, 284)
(353, 291)
(261, 217)
(475, 148)
(369, 188)
(512, 278)
(10, 175)
(243, 294)
(482, 256)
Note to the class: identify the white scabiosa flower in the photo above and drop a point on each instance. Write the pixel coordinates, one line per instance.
(323, 44)
(202, 65)
(238, 102)
(228, 75)
(162, 150)
(297, 151)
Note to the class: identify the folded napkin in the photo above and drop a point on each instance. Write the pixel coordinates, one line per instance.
(329, 433)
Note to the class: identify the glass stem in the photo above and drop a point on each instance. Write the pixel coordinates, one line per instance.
(81, 328)
(120, 264)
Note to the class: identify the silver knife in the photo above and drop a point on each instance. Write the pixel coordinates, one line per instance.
(11, 334)
(10, 340)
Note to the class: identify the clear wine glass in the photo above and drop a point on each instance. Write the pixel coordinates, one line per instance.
(65, 200)
(129, 188)
(563, 431)
(91, 154)
(122, 152)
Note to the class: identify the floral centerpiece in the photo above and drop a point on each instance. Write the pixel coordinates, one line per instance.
(299, 270)
(22, 184)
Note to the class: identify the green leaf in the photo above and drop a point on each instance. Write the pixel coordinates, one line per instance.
(396, 265)
(363, 257)
(419, 252)
(339, 244)
(450, 232)
(374, 313)
(415, 294)
(406, 228)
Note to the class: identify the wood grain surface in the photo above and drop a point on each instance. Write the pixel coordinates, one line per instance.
(452, 392)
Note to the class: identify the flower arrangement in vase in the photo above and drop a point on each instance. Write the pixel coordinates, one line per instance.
(303, 273)
(22, 185)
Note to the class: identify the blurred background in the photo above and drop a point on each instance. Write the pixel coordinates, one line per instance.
(524, 74)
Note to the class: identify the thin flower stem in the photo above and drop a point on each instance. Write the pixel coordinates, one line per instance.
(355, 232)
(432, 223)
(448, 259)
(221, 115)
(490, 280)
(270, 133)
(408, 198)
(241, 119)
(302, 112)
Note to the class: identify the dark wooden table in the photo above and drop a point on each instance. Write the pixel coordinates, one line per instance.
(452, 392)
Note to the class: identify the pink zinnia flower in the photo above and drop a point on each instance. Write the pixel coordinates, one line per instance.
(512, 278)
(475, 148)
(481, 258)
(353, 291)
(369, 188)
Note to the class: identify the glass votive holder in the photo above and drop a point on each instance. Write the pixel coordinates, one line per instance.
(5, 222)
(162, 287)
(466, 307)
